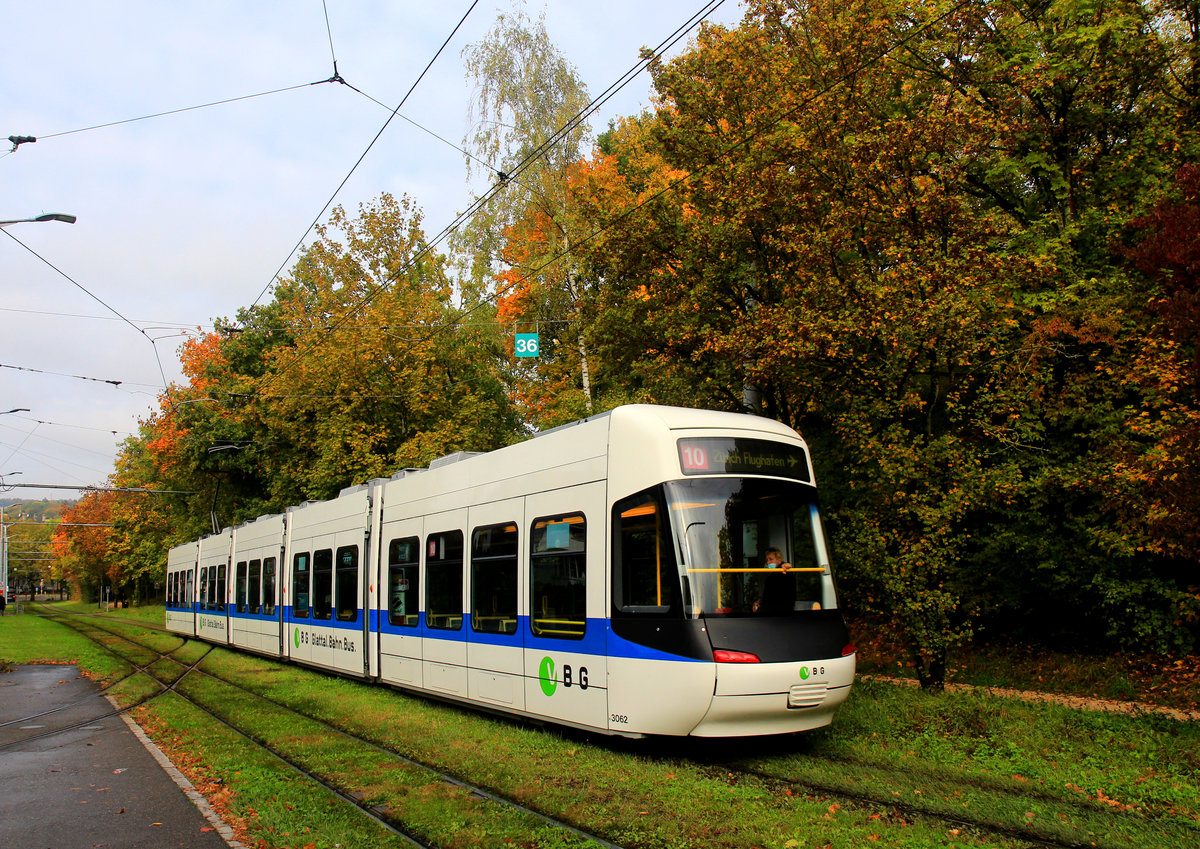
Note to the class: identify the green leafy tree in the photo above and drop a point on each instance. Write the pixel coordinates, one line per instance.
(362, 364)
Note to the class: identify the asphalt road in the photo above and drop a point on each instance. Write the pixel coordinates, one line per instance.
(89, 781)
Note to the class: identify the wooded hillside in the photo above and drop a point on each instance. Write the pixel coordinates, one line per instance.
(955, 245)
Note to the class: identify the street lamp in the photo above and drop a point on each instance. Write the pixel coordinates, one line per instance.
(4, 544)
(49, 216)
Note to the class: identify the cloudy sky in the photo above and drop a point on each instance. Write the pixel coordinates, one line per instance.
(184, 218)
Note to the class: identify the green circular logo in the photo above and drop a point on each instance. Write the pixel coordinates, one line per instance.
(803, 673)
(546, 676)
(296, 638)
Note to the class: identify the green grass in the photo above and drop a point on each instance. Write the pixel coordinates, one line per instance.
(152, 613)
(624, 790)
(34, 639)
(252, 789)
(1071, 776)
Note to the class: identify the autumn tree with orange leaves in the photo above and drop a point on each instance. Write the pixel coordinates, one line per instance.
(892, 227)
(82, 546)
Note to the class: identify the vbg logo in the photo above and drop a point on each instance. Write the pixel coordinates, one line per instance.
(547, 677)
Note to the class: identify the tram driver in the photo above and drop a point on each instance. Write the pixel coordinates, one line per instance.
(774, 590)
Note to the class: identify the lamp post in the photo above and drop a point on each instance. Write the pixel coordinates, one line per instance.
(50, 216)
(4, 542)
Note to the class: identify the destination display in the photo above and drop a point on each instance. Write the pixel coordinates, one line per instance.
(717, 455)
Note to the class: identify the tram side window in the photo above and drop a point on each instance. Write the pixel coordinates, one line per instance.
(221, 597)
(204, 589)
(322, 590)
(211, 601)
(301, 574)
(347, 583)
(494, 579)
(268, 587)
(810, 576)
(240, 591)
(558, 577)
(443, 580)
(254, 589)
(191, 583)
(645, 576)
(404, 582)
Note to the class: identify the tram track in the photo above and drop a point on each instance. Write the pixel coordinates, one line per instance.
(780, 773)
(909, 810)
(351, 796)
(777, 771)
(104, 692)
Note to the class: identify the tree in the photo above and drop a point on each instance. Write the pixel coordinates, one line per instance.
(83, 549)
(361, 365)
(896, 227)
(384, 373)
(530, 129)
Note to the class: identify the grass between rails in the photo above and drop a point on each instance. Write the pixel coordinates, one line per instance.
(630, 797)
(635, 793)
(1067, 775)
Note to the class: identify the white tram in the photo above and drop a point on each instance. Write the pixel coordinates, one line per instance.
(610, 574)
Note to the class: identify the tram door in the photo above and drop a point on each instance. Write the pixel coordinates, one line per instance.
(399, 602)
(496, 541)
(565, 663)
(444, 646)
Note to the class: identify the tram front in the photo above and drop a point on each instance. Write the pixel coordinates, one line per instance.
(730, 564)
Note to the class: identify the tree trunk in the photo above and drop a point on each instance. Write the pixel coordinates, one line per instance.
(931, 669)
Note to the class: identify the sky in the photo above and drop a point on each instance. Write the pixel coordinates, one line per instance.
(185, 218)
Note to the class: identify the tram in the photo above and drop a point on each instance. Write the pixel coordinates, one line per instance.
(648, 571)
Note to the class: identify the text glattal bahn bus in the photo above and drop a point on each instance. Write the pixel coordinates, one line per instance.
(609, 574)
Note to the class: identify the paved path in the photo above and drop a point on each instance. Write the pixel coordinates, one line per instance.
(97, 783)
(1079, 702)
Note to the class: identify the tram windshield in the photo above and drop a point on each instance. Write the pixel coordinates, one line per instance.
(722, 547)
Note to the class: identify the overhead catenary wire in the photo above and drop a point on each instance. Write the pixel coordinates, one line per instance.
(60, 374)
(334, 78)
(363, 156)
(167, 112)
(74, 426)
(507, 177)
(97, 299)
